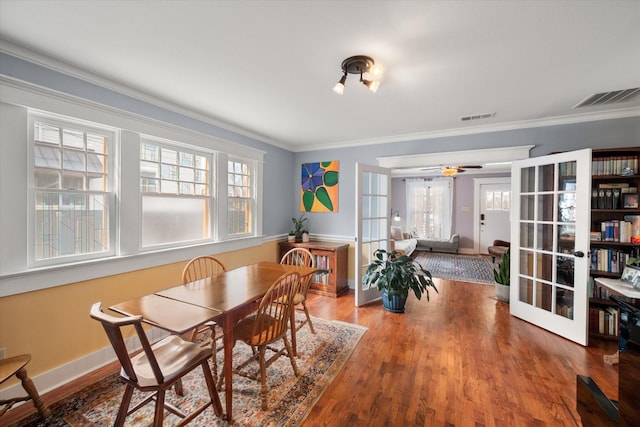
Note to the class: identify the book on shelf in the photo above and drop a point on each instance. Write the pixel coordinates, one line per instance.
(613, 165)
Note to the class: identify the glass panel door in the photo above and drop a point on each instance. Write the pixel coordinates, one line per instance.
(373, 185)
(550, 241)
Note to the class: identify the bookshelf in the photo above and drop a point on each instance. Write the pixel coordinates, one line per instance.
(331, 259)
(615, 230)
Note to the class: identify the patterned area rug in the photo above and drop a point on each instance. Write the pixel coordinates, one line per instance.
(465, 268)
(320, 359)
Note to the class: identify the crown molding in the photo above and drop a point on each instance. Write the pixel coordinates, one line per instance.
(498, 127)
(10, 48)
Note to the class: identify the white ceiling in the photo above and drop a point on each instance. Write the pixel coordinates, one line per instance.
(267, 68)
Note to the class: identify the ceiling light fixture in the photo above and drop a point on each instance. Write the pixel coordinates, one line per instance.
(360, 64)
(449, 171)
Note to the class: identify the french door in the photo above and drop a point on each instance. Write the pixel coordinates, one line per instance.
(550, 242)
(373, 185)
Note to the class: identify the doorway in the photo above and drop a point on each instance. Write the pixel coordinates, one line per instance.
(492, 207)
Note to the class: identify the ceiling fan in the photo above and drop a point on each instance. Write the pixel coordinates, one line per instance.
(452, 170)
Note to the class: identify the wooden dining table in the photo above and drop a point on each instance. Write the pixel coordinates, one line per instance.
(225, 298)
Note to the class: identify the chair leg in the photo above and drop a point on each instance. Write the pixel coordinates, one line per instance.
(213, 391)
(291, 356)
(31, 390)
(263, 376)
(158, 418)
(124, 406)
(214, 353)
(306, 312)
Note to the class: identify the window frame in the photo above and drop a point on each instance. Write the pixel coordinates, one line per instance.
(252, 188)
(210, 197)
(64, 122)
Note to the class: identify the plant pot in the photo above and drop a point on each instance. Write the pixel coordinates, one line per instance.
(393, 301)
(291, 238)
(298, 237)
(502, 292)
(305, 237)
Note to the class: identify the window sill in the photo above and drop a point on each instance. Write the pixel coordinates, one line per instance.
(58, 275)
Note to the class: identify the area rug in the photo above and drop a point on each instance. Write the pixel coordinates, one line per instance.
(320, 359)
(465, 268)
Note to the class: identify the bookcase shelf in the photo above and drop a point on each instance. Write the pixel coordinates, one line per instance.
(608, 216)
(332, 260)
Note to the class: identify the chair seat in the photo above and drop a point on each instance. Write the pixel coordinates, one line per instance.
(298, 299)
(173, 354)
(243, 331)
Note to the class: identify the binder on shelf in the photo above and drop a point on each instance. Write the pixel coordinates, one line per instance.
(615, 197)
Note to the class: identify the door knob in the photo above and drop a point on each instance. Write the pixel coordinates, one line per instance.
(578, 254)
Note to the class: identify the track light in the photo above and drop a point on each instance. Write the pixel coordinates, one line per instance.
(360, 64)
(339, 87)
(373, 85)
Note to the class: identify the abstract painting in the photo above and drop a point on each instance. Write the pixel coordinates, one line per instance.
(319, 187)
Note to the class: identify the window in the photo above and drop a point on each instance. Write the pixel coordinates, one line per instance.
(71, 182)
(498, 201)
(240, 198)
(175, 191)
(429, 207)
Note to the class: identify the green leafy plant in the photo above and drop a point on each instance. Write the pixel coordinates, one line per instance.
(502, 274)
(298, 224)
(399, 274)
(633, 261)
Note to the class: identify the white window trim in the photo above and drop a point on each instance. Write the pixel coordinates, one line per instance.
(16, 98)
(56, 120)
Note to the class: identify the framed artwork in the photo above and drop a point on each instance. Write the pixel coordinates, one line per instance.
(319, 187)
(630, 200)
(631, 275)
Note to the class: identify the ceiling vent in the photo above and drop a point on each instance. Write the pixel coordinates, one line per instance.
(477, 117)
(613, 97)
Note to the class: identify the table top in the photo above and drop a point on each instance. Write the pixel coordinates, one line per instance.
(165, 313)
(233, 288)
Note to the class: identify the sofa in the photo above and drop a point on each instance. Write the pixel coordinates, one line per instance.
(402, 242)
(451, 244)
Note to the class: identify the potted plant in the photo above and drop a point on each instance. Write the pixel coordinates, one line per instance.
(292, 237)
(305, 236)
(395, 275)
(502, 276)
(298, 225)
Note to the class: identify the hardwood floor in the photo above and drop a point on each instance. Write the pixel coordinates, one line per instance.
(458, 360)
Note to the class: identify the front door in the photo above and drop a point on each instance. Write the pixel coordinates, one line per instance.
(493, 211)
(549, 242)
(373, 185)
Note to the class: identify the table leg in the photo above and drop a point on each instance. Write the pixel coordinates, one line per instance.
(227, 326)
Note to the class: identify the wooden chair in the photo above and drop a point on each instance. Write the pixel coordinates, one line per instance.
(201, 267)
(16, 366)
(268, 325)
(156, 368)
(196, 269)
(301, 257)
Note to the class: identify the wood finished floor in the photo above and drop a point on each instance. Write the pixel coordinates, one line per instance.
(458, 360)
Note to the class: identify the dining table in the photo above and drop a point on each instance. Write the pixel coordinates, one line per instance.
(225, 298)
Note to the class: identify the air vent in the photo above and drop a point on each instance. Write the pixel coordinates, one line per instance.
(613, 97)
(477, 117)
